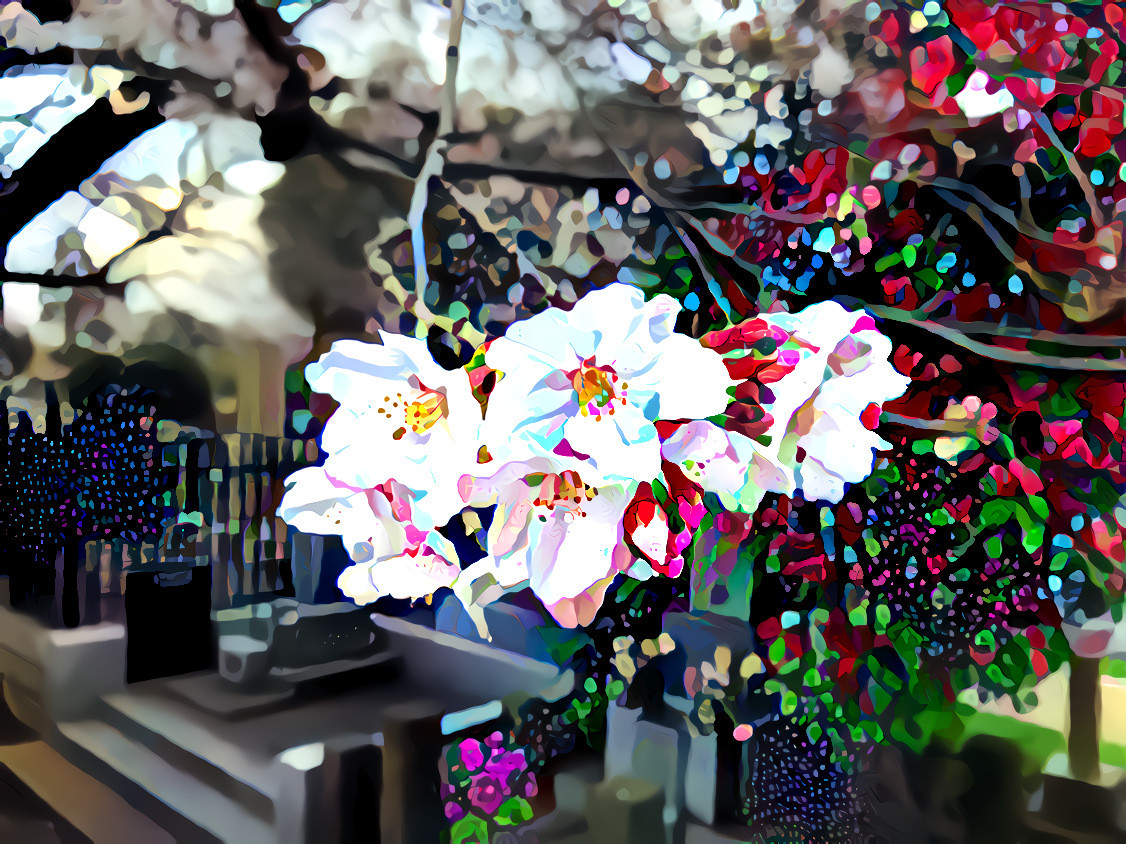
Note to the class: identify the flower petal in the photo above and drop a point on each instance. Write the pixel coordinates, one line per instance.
(690, 380)
(403, 576)
(316, 503)
(544, 341)
(572, 553)
(624, 446)
(838, 449)
(368, 439)
(525, 416)
(353, 371)
(735, 467)
(582, 609)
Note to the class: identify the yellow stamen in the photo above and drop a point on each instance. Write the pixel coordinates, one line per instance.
(596, 388)
(424, 412)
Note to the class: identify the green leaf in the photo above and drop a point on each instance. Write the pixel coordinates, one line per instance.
(872, 545)
(883, 617)
(562, 644)
(777, 651)
(888, 261)
(513, 811)
(789, 702)
(858, 615)
(1039, 505)
(996, 511)
(940, 517)
(469, 830)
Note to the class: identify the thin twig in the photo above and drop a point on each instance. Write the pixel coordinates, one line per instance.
(1025, 195)
(709, 278)
(975, 213)
(1022, 225)
(1073, 165)
(642, 184)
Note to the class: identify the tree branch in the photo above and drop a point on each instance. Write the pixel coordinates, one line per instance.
(941, 426)
(433, 163)
(1024, 226)
(1014, 356)
(1015, 332)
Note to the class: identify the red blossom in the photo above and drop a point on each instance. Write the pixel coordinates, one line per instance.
(647, 533)
(1102, 124)
(931, 65)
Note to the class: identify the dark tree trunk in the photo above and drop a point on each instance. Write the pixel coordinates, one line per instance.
(1083, 718)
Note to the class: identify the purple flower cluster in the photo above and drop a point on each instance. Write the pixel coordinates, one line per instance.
(480, 776)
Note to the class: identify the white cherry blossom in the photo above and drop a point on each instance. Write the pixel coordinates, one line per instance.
(401, 417)
(817, 407)
(733, 466)
(553, 531)
(393, 557)
(584, 386)
(415, 573)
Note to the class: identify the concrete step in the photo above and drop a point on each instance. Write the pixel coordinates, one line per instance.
(193, 809)
(326, 677)
(1039, 830)
(182, 737)
(88, 805)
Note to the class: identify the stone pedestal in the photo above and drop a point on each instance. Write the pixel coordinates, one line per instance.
(331, 790)
(625, 810)
(410, 802)
(700, 778)
(649, 751)
(696, 773)
(512, 628)
(54, 675)
(243, 660)
(276, 638)
(300, 773)
(1083, 806)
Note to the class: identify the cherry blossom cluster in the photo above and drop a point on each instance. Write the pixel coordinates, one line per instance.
(595, 433)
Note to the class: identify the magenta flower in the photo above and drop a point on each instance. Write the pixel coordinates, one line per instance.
(487, 793)
(495, 739)
(505, 765)
(472, 755)
(454, 811)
